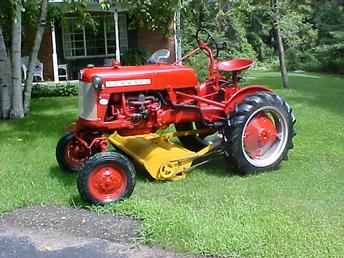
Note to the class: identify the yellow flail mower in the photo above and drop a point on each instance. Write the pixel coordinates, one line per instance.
(109, 175)
(162, 158)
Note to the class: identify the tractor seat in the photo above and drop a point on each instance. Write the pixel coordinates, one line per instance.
(235, 65)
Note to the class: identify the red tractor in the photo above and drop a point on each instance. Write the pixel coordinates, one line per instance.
(126, 106)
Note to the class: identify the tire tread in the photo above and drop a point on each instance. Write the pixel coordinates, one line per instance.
(233, 133)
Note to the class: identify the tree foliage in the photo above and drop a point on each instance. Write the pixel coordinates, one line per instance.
(328, 18)
(154, 15)
(312, 30)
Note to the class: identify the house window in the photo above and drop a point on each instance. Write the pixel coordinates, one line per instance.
(81, 42)
(123, 31)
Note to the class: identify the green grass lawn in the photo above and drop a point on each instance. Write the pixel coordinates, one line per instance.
(297, 211)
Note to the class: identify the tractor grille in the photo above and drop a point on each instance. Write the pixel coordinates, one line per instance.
(87, 101)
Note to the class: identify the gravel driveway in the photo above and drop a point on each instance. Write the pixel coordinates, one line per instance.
(49, 232)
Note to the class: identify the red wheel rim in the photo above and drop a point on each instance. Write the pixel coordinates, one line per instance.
(75, 154)
(107, 182)
(260, 135)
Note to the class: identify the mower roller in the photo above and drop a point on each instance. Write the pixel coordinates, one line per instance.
(129, 106)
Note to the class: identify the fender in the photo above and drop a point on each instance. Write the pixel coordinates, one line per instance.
(239, 96)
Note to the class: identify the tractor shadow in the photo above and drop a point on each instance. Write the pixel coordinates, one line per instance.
(70, 179)
(142, 174)
(220, 168)
(217, 167)
(77, 202)
(67, 178)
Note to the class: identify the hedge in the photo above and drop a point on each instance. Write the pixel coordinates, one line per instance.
(55, 90)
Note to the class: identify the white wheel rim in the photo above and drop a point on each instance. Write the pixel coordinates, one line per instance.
(275, 151)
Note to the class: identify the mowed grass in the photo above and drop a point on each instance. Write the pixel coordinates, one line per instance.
(297, 211)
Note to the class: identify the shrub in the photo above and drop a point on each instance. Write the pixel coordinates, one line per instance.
(302, 60)
(135, 56)
(55, 90)
(200, 64)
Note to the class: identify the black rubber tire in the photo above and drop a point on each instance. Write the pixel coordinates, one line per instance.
(191, 142)
(234, 152)
(100, 159)
(60, 152)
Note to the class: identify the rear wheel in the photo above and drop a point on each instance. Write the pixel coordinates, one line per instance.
(106, 177)
(70, 153)
(260, 133)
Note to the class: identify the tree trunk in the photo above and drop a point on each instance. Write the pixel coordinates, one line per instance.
(279, 42)
(17, 110)
(178, 34)
(33, 58)
(5, 79)
(281, 57)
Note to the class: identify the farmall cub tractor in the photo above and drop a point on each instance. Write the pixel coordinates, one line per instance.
(128, 106)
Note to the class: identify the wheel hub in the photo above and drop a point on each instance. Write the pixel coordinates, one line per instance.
(107, 182)
(260, 135)
(76, 154)
(77, 151)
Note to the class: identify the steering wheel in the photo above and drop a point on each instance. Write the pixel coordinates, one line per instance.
(209, 39)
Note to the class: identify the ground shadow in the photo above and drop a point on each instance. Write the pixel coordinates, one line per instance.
(77, 202)
(67, 178)
(38, 125)
(218, 167)
(322, 91)
(142, 174)
(48, 119)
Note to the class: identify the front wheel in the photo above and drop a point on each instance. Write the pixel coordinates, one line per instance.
(107, 177)
(260, 133)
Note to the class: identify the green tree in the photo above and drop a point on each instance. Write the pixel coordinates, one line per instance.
(153, 14)
(11, 90)
(10, 77)
(328, 18)
(252, 28)
(41, 24)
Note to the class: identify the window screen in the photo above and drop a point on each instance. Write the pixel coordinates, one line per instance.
(81, 42)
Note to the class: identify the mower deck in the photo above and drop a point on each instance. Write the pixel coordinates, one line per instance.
(163, 159)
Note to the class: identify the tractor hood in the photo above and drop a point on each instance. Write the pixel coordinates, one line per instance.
(145, 77)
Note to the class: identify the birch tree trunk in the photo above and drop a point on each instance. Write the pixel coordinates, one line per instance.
(5, 79)
(33, 58)
(178, 36)
(17, 110)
